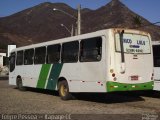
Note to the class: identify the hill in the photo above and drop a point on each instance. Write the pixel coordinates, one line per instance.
(40, 23)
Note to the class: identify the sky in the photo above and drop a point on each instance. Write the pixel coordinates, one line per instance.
(149, 9)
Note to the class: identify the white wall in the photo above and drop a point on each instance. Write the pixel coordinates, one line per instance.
(10, 48)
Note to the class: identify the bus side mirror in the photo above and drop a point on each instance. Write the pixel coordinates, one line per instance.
(122, 66)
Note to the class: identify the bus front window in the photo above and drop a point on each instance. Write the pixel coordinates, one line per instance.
(156, 55)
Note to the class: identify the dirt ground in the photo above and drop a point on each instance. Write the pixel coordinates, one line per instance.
(47, 105)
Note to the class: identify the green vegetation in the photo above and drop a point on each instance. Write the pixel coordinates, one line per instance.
(137, 21)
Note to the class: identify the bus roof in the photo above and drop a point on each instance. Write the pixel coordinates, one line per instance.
(79, 37)
(155, 42)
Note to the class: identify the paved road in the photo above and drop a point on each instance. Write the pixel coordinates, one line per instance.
(130, 105)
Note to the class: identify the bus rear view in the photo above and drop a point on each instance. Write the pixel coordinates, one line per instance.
(132, 61)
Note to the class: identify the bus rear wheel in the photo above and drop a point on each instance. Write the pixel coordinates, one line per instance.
(20, 84)
(63, 90)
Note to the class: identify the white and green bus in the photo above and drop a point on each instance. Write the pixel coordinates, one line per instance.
(103, 61)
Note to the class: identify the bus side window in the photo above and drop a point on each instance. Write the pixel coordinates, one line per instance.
(28, 57)
(40, 54)
(70, 52)
(53, 53)
(19, 60)
(91, 49)
(12, 61)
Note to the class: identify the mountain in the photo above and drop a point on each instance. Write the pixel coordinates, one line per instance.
(116, 14)
(40, 23)
(36, 24)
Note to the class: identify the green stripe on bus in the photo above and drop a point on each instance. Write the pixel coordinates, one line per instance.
(54, 75)
(43, 75)
(115, 86)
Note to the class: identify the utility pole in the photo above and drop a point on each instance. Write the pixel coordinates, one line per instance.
(72, 31)
(79, 20)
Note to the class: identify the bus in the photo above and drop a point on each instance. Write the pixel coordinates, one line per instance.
(156, 58)
(104, 61)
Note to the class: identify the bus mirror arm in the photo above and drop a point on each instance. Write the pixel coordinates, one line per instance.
(123, 68)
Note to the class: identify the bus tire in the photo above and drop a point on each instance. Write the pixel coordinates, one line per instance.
(20, 85)
(63, 90)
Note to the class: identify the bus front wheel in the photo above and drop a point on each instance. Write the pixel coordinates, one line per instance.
(20, 84)
(63, 90)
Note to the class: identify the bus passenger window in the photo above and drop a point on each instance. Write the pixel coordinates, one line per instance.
(19, 60)
(12, 61)
(53, 54)
(91, 49)
(40, 55)
(70, 52)
(28, 56)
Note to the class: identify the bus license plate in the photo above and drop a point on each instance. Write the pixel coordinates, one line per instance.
(133, 78)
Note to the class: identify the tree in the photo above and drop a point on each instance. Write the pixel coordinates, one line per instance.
(137, 21)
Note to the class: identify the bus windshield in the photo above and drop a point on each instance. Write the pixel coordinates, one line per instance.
(133, 43)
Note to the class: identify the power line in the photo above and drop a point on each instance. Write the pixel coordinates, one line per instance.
(147, 25)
